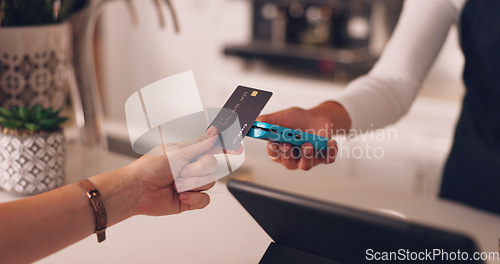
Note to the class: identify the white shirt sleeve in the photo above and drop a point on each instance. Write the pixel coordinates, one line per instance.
(385, 94)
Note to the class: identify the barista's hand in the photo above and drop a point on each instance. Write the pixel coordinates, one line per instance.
(322, 120)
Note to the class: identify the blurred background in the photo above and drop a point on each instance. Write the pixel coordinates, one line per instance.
(305, 52)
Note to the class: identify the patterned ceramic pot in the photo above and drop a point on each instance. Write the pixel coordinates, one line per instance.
(31, 164)
(35, 65)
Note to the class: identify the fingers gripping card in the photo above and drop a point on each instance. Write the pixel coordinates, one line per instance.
(238, 114)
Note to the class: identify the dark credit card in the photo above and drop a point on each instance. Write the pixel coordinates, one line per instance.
(237, 115)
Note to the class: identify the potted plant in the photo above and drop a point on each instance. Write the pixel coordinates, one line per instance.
(32, 151)
(39, 64)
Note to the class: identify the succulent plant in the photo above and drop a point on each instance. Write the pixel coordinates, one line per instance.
(20, 119)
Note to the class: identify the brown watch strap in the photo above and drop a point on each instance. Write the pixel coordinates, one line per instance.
(98, 207)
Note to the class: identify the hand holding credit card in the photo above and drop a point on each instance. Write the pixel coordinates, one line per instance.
(237, 120)
(237, 115)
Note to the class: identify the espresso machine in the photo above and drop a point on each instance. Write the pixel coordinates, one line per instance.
(333, 38)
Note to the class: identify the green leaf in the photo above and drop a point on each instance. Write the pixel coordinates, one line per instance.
(38, 116)
(24, 113)
(46, 113)
(32, 127)
(36, 112)
(13, 124)
(49, 123)
(5, 112)
(15, 111)
(62, 119)
(55, 113)
(17, 123)
(8, 124)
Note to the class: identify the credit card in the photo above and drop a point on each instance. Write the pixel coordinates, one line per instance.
(237, 115)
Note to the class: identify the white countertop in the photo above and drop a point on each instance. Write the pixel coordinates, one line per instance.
(225, 233)
(221, 233)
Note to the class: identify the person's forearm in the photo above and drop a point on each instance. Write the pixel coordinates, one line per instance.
(387, 92)
(38, 226)
(335, 113)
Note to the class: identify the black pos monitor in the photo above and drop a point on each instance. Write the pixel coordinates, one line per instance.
(310, 231)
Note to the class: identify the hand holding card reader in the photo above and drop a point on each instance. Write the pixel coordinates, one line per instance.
(246, 103)
(271, 132)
